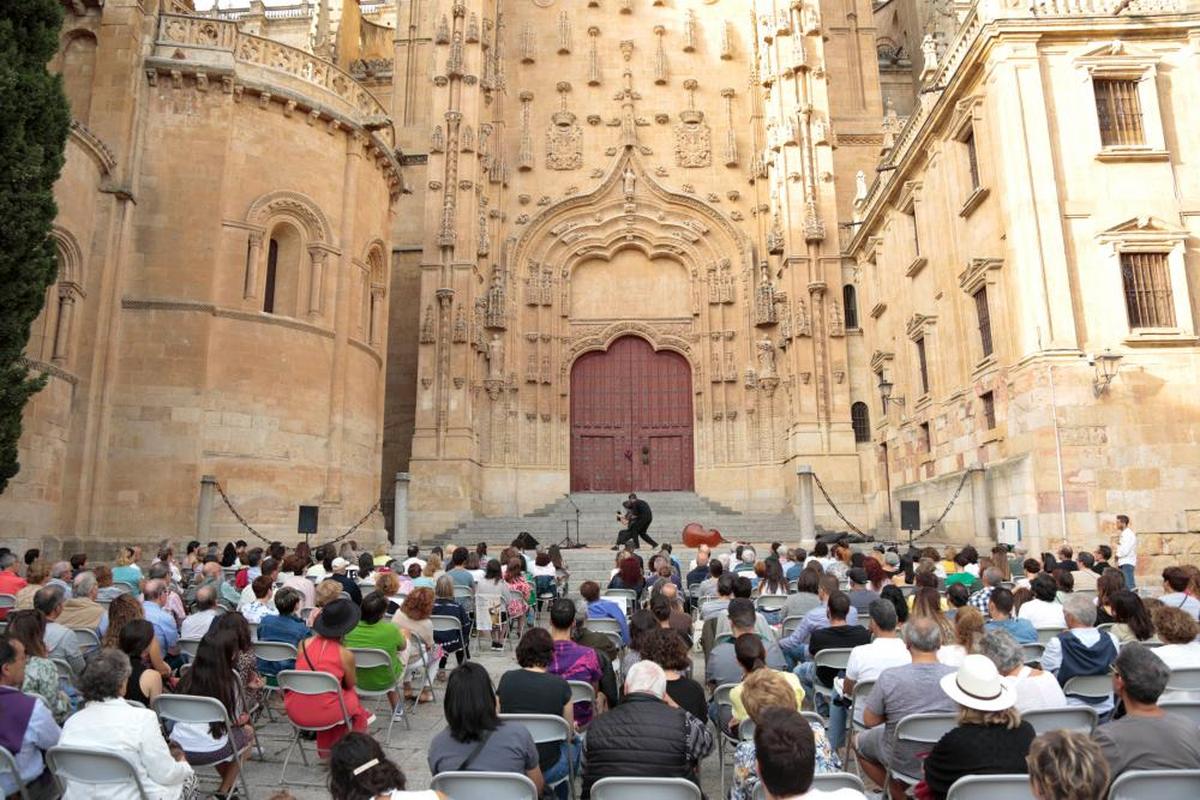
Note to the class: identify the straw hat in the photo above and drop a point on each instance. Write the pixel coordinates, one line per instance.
(978, 685)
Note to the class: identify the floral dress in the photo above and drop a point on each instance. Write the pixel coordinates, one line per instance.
(41, 678)
(520, 594)
(745, 764)
(246, 666)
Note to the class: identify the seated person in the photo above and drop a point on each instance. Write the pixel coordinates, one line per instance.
(286, 626)
(27, 728)
(1067, 765)
(1082, 649)
(359, 770)
(377, 633)
(786, 751)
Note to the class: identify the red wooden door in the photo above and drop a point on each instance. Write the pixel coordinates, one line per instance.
(631, 420)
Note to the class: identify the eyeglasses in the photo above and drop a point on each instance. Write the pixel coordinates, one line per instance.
(1113, 671)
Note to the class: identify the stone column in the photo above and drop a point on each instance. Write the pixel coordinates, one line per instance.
(374, 334)
(62, 331)
(805, 504)
(981, 512)
(208, 490)
(253, 254)
(400, 514)
(316, 280)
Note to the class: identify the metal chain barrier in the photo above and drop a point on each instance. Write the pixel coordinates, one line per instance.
(928, 529)
(229, 504)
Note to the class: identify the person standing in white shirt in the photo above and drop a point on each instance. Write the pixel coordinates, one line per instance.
(866, 661)
(1127, 551)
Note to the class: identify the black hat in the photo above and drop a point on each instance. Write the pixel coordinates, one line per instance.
(857, 575)
(337, 619)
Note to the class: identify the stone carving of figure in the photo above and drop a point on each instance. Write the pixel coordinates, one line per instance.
(495, 358)
(860, 186)
(628, 181)
(766, 358)
(929, 53)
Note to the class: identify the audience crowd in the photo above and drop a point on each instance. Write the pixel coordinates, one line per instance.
(811, 664)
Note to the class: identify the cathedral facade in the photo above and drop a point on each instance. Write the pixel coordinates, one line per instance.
(517, 248)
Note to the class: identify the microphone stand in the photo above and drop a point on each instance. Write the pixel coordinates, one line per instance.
(566, 543)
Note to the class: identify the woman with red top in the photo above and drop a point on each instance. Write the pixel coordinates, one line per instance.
(324, 653)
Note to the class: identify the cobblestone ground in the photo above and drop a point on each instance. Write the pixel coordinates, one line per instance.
(407, 748)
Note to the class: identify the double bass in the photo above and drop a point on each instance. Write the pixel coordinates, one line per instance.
(695, 534)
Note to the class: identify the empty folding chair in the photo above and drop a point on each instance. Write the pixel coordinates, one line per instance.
(484, 786)
(195, 710)
(546, 729)
(642, 788)
(1159, 784)
(921, 729)
(991, 787)
(91, 767)
(1071, 718)
(302, 682)
(374, 658)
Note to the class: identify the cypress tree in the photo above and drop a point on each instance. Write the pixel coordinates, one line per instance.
(34, 120)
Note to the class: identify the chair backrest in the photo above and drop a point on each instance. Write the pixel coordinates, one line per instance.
(832, 781)
(642, 788)
(189, 646)
(305, 682)
(793, 585)
(721, 694)
(925, 728)
(1185, 679)
(603, 625)
(1184, 708)
(790, 624)
(1095, 686)
(1160, 784)
(771, 602)
(1033, 652)
(463, 592)
(746, 730)
(443, 622)
(81, 765)
(811, 716)
(1046, 634)
(86, 638)
(1105, 627)
(484, 786)
(836, 657)
(370, 657)
(275, 651)
(544, 728)
(253, 630)
(1071, 718)
(582, 692)
(7, 600)
(189, 708)
(908, 590)
(65, 673)
(9, 765)
(991, 787)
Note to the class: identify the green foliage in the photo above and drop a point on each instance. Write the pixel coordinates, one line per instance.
(34, 120)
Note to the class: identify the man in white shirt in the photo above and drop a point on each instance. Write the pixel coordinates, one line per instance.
(413, 551)
(1127, 551)
(865, 663)
(1043, 610)
(196, 624)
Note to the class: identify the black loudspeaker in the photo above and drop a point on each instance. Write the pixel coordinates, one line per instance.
(307, 523)
(910, 515)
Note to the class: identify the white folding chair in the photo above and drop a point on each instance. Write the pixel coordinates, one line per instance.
(812, 717)
(309, 683)
(642, 788)
(253, 631)
(421, 667)
(375, 658)
(1032, 652)
(1184, 679)
(722, 698)
(9, 765)
(582, 692)
(444, 622)
(1184, 708)
(627, 598)
(92, 767)
(833, 658)
(186, 708)
(1092, 687)
(484, 786)
(832, 781)
(546, 729)
(861, 690)
(768, 603)
(924, 729)
(66, 675)
(991, 787)
(1046, 634)
(1071, 718)
(1160, 784)
(86, 638)
(603, 625)
(790, 624)
(189, 647)
(1105, 627)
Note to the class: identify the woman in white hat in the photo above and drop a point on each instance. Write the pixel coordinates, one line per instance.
(990, 738)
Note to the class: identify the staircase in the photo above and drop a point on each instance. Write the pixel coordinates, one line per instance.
(598, 528)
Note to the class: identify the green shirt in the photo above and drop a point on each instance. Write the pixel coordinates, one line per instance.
(382, 635)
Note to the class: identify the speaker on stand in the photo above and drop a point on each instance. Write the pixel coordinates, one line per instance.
(910, 518)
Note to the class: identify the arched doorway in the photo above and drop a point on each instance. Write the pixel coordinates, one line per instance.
(631, 420)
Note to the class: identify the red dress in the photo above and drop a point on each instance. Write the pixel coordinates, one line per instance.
(324, 655)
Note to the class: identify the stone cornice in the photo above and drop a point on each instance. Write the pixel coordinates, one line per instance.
(196, 306)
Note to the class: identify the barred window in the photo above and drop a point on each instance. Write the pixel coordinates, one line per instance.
(989, 409)
(1148, 298)
(1119, 111)
(860, 420)
(985, 320)
(850, 306)
(926, 440)
(922, 365)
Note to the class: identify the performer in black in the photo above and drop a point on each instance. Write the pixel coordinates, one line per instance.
(637, 519)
